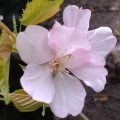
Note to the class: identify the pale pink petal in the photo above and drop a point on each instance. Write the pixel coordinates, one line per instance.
(60, 37)
(89, 72)
(97, 60)
(97, 85)
(79, 58)
(93, 69)
(66, 40)
(82, 58)
(57, 24)
(102, 40)
(70, 15)
(69, 96)
(37, 82)
(32, 45)
(78, 40)
(75, 17)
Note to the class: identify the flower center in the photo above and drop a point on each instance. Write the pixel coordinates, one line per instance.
(58, 65)
(55, 67)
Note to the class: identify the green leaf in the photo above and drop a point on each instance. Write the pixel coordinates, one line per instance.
(5, 48)
(14, 26)
(38, 11)
(24, 102)
(4, 86)
(5, 52)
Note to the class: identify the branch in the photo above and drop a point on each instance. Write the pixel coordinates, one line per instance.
(79, 117)
(82, 117)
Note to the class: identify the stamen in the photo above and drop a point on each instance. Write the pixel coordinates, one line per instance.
(63, 53)
(66, 71)
(61, 75)
(57, 63)
(53, 54)
(65, 58)
(68, 74)
(71, 66)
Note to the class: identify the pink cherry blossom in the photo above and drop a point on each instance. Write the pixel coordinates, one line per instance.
(101, 39)
(58, 58)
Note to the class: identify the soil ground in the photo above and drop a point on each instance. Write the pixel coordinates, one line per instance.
(98, 106)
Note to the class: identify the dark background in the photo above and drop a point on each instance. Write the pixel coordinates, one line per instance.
(98, 106)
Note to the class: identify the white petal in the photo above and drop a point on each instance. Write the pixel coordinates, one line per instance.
(60, 37)
(89, 72)
(69, 96)
(97, 60)
(32, 45)
(66, 40)
(97, 85)
(92, 69)
(79, 58)
(57, 24)
(102, 40)
(75, 17)
(37, 82)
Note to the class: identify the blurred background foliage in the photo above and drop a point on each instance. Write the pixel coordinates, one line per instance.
(10, 7)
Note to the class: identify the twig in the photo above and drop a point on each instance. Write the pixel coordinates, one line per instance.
(79, 117)
(82, 117)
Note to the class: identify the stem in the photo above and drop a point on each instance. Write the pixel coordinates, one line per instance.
(79, 117)
(82, 117)
(4, 27)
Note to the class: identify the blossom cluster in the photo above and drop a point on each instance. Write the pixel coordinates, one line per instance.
(59, 59)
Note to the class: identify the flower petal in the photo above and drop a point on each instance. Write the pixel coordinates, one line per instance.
(37, 82)
(57, 24)
(32, 45)
(79, 58)
(89, 72)
(92, 70)
(65, 40)
(97, 60)
(69, 96)
(100, 38)
(75, 17)
(97, 85)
